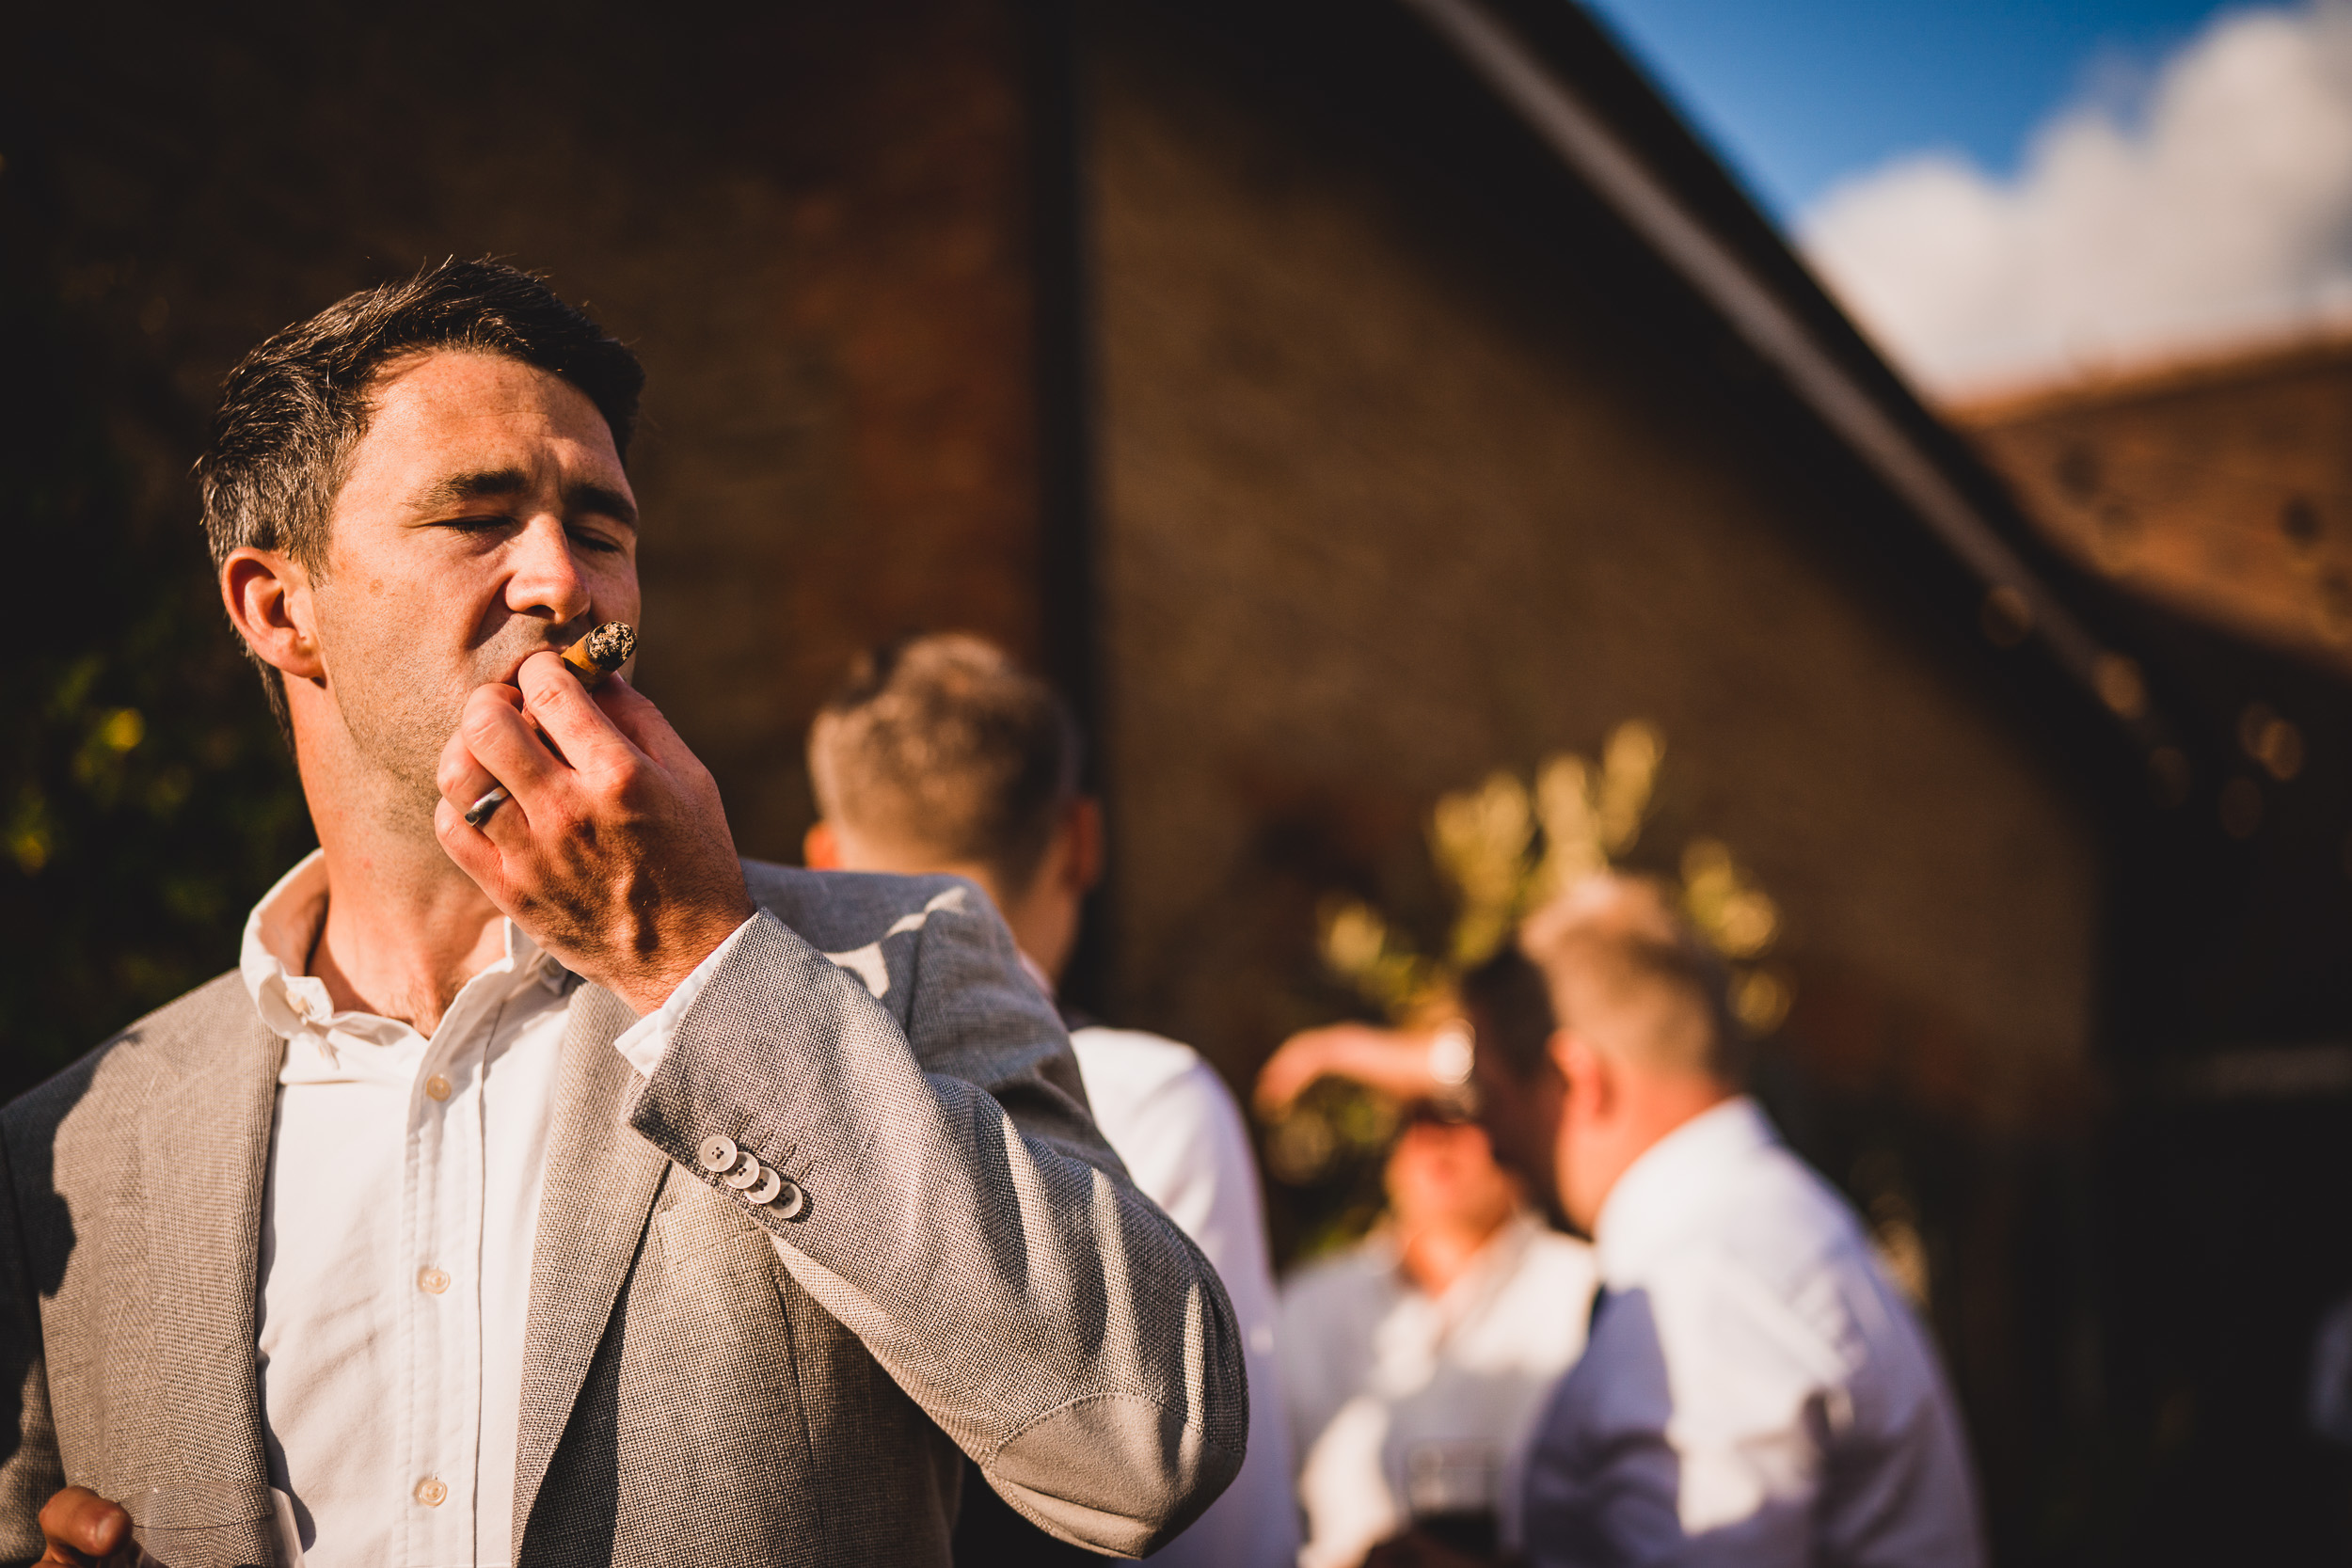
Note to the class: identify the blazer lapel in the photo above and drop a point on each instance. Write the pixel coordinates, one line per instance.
(601, 1182)
(204, 1149)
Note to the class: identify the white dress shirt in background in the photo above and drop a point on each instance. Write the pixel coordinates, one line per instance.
(1175, 1127)
(1397, 1399)
(402, 1202)
(1757, 1392)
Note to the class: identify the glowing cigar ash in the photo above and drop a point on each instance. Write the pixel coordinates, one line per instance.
(602, 652)
(593, 657)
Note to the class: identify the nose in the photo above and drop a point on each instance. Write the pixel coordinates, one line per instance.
(546, 580)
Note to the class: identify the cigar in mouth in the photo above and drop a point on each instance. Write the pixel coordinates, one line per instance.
(593, 657)
(602, 652)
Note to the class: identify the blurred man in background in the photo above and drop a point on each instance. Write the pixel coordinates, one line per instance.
(941, 755)
(1414, 1364)
(1755, 1391)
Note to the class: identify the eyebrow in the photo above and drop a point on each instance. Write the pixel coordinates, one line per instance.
(585, 495)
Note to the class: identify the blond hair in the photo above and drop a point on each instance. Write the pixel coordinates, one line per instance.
(1626, 971)
(942, 745)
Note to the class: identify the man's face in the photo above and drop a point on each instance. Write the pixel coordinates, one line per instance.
(1444, 1174)
(485, 515)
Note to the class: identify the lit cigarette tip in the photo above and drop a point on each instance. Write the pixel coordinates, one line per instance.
(602, 652)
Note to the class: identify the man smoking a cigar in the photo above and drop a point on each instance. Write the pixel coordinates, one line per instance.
(564, 1188)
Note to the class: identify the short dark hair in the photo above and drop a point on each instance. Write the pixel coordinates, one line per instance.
(1510, 1005)
(294, 408)
(943, 745)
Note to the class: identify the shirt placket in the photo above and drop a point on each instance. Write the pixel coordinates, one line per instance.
(440, 1291)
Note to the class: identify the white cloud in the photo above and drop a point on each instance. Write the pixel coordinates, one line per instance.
(2222, 209)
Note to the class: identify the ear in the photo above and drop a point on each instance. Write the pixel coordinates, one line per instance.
(1082, 866)
(268, 599)
(1592, 1087)
(819, 849)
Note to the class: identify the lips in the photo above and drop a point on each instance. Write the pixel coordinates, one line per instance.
(509, 675)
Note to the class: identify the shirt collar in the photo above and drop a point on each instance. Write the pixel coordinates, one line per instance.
(1667, 1192)
(1494, 1264)
(284, 927)
(1496, 1260)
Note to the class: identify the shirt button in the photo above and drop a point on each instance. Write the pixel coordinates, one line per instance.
(437, 1087)
(432, 1281)
(790, 1200)
(432, 1491)
(716, 1153)
(743, 1175)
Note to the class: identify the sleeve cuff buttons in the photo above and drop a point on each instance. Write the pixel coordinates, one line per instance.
(760, 1186)
(788, 1200)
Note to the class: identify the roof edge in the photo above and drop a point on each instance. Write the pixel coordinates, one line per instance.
(1851, 401)
(2155, 378)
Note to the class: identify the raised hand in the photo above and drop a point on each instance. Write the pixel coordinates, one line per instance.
(1394, 1061)
(614, 855)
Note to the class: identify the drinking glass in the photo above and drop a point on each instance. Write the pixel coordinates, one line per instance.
(1452, 1490)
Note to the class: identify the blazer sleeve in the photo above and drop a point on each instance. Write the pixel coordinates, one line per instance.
(32, 1471)
(958, 1211)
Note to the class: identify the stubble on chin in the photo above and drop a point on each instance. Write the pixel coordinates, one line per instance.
(400, 728)
(400, 703)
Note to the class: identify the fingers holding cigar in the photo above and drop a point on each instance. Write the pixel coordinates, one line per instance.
(513, 742)
(586, 820)
(461, 778)
(577, 725)
(589, 660)
(500, 779)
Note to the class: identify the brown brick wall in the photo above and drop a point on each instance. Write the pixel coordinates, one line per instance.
(1386, 506)
(812, 220)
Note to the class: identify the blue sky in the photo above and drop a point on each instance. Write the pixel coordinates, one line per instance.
(1796, 94)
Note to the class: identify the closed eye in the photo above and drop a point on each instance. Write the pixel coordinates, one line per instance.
(490, 523)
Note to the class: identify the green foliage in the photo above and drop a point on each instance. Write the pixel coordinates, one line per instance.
(1505, 849)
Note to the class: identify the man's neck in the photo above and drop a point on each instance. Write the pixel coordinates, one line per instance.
(1660, 1108)
(405, 927)
(1652, 1108)
(1435, 1254)
(1041, 924)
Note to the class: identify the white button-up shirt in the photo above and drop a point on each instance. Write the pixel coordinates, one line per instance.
(403, 1195)
(1174, 1125)
(1757, 1392)
(1402, 1402)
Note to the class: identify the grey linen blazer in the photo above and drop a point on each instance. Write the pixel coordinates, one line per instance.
(703, 1380)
